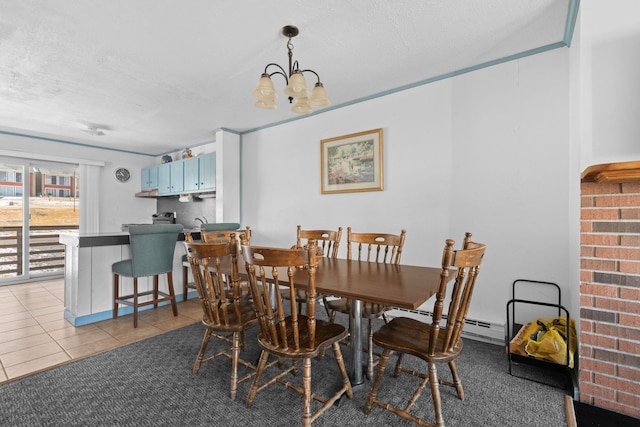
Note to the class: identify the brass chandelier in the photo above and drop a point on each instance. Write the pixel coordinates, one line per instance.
(296, 88)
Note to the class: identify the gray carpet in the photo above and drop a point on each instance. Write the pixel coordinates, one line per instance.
(150, 383)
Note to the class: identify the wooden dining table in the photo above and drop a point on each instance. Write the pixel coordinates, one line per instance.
(402, 286)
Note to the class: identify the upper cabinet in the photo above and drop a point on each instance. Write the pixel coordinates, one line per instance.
(177, 177)
(207, 172)
(200, 173)
(164, 178)
(192, 175)
(149, 178)
(170, 178)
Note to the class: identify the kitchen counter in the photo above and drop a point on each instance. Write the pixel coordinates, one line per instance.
(86, 240)
(88, 280)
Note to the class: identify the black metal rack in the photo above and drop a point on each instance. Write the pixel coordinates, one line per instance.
(570, 381)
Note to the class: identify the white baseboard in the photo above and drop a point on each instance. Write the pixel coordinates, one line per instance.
(473, 329)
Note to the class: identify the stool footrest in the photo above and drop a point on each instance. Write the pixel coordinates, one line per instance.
(125, 299)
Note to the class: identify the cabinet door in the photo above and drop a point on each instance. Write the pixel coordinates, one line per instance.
(153, 177)
(207, 172)
(144, 180)
(149, 179)
(177, 177)
(191, 174)
(164, 178)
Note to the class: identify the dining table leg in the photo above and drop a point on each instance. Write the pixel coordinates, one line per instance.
(355, 341)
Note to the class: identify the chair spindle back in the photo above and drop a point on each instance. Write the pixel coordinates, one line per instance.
(467, 262)
(327, 240)
(382, 248)
(270, 272)
(221, 236)
(213, 290)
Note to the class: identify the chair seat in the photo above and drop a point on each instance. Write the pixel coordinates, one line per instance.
(411, 336)
(326, 334)
(369, 310)
(125, 268)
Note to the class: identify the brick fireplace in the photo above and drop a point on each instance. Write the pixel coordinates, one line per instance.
(610, 287)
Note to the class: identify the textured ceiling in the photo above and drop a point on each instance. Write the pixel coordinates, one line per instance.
(155, 76)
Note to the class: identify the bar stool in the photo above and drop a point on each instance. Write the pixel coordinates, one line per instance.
(152, 249)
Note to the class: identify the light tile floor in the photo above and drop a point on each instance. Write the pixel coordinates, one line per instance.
(34, 335)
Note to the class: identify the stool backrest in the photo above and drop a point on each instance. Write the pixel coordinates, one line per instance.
(220, 226)
(152, 248)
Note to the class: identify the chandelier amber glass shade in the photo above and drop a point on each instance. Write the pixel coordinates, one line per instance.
(301, 106)
(297, 87)
(319, 96)
(264, 87)
(266, 104)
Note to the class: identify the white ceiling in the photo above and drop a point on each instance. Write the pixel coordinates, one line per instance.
(156, 76)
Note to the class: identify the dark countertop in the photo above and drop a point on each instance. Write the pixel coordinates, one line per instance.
(88, 240)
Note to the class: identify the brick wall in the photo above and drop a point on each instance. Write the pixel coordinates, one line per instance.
(610, 296)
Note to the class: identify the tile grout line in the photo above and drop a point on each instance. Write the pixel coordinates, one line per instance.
(107, 329)
(31, 316)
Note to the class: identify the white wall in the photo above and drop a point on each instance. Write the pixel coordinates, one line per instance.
(281, 178)
(610, 58)
(227, 148)
(486, 152)
(514, 178)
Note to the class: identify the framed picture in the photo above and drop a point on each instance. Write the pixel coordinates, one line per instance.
(352, 163)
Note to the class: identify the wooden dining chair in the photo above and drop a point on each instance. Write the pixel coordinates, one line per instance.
(370, 247)
(327, 242)
(222, 236)
(284, 332)
(216, 236)
(224, 318)
(221, 230)
(434, 343)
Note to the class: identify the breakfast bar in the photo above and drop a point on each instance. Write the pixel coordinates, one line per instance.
(88, 286)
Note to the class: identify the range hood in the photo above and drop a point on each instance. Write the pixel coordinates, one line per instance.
(207, 195)
(149, 193)
(154, 194)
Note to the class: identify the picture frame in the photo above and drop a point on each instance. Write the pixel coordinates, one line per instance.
(351, 163)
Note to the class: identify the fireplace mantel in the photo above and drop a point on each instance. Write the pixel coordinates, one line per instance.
(612, 172)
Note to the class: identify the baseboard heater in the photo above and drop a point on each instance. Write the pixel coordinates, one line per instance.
(473, 329)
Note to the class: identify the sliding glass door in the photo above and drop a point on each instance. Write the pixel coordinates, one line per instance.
(37, 202)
